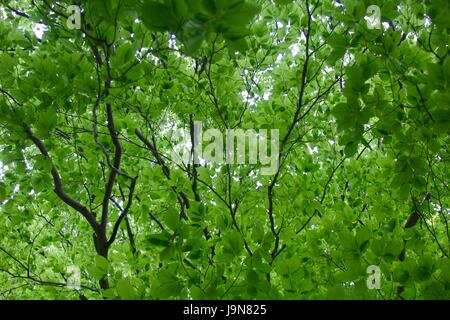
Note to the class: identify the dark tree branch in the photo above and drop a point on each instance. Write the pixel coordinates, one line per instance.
(296, 118)
(152, 216)
(59, 190)
(20, 13)
(124, 212)
(182, 198)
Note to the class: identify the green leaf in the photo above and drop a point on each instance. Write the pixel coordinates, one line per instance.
(109, 293)
(363, 236)
(167, 285)
(156, 16)
(252, 278)
(125, 290)
(258, 232)
(102, 263)
(400, 274)
(394, 247)
(233, 242)
(3, 192)
(193, 34)
(240, 14)
(197, 293)
(95, 272)
(172, 219)
(99, 268)
(180, 8)
(283, 2)
(337, 41)
(159, 239)
(47, 121)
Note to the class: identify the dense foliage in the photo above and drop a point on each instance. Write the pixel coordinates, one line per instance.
(87, 181)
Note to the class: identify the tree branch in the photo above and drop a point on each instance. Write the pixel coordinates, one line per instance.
(124, 212)
(59, 190)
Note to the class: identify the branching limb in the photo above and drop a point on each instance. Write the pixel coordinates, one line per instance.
(59, 190)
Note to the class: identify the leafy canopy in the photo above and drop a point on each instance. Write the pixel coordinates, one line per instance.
(90, 195)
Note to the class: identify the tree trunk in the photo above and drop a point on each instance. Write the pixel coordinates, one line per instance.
(102, 248)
